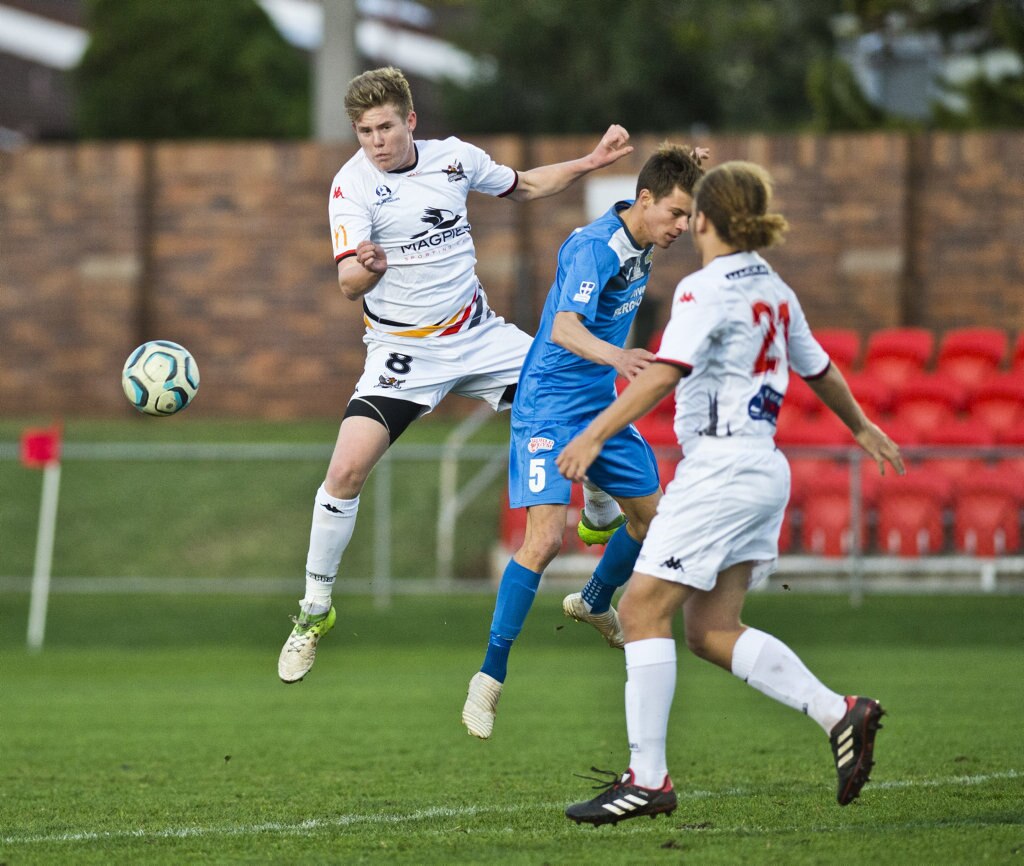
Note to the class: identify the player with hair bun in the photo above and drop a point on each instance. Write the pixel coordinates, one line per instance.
(735, 332)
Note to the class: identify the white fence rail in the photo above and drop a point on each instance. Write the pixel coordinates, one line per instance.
(856, 573)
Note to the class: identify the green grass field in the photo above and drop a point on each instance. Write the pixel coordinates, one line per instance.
(153, 729)
(229, 518)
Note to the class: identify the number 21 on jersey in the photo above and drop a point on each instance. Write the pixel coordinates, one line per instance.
(769, 319)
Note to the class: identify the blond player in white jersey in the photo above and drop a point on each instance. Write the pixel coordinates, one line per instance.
(736, 333)
(403, 248)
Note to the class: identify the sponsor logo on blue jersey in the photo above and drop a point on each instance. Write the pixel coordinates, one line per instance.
(634, 301)
(584, 292)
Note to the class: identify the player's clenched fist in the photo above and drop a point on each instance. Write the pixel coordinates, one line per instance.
(372, 257)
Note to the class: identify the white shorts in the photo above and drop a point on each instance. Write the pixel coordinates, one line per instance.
(479, 363)
(724, 506)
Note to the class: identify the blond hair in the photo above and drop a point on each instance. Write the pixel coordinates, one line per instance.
(377, 87)
(734, 196)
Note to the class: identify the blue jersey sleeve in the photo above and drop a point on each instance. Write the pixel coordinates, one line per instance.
(589, 268)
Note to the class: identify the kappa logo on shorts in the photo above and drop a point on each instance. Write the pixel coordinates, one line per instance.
(673, 563)
(389, 382)
(539, 443)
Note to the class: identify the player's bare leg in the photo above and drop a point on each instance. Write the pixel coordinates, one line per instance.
(714, 632)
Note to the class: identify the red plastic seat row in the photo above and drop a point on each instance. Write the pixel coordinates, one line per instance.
(909, 511)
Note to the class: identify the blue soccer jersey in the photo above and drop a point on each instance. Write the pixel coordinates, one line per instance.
(602, 276)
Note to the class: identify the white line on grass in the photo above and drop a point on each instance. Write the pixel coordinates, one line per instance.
(302, 827)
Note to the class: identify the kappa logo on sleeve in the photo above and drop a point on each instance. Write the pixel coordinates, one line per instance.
(584, 292)
(338, 193)
(687, 298)
(539, 443)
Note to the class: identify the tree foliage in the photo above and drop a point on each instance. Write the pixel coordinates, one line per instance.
(648, 64)
(179, 70)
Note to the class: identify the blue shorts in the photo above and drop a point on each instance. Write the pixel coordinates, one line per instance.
(626, 467)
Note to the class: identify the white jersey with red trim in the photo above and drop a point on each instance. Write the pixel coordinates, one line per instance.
(419, 216)
(739, 329)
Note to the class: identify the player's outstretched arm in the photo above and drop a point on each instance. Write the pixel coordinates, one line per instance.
(547, 180)
(569, 332)
(833, 391)
(642, 395)
(358, 274)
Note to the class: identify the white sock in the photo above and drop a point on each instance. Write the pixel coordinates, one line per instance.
(334, 520)
(771, 667)
(599, 507)
(650, 686)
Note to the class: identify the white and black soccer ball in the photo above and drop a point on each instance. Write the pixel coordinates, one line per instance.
(160, 377)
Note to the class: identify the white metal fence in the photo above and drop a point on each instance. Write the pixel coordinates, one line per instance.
(856, 573)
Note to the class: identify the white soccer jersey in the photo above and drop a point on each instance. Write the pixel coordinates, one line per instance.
(739, 329)
(418, 215)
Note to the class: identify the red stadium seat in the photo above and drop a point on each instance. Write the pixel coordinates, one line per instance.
(895, 354)
(657, 429)
(800, 396)
(1012, 435)
(910, 513)
(873, 394)
(1017, 360)
(798, 428)
(971, 355)
(959, 431)
(926, 401)
(843, 346)
(826, 526)
(786, 531)
(998, 403)
(808, 472)
(986, 513)
(954, 466)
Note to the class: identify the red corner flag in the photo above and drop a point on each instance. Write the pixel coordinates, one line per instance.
(40, 446)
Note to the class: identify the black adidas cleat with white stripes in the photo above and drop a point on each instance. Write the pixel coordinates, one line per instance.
(853, 746)
(623, 799)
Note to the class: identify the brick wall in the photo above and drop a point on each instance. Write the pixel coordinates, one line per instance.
(225, 248)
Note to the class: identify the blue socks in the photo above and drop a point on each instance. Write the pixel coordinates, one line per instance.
(515, 597)
(614, 569)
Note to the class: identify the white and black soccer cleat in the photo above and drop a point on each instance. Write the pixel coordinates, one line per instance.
(853, 746)
(622, 799)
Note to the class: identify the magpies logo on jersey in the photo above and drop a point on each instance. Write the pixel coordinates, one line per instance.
(435, 219)
(443, 227)
(389, 382)
(455, 172)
